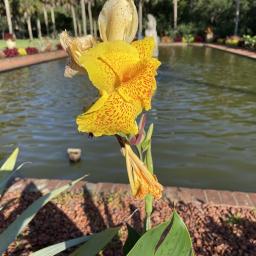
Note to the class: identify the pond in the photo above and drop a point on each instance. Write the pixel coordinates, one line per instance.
(204, 113)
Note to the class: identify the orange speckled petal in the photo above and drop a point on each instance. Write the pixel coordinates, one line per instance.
(115, 116)
(145, 47)
(141, 83)
(107, 63)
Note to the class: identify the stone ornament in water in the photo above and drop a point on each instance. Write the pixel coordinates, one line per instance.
(152, 32)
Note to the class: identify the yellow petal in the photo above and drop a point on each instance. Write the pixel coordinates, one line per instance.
(145, 47)
(141, 83)
(107, 63)
(118, 20)
(115, 116)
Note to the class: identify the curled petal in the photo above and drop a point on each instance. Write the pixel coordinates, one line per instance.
(118, 20)
(141, 180)
(75, 47)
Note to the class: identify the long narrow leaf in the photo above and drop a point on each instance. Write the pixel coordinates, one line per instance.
(96, 243)
(60, 247)
(15, 228)
(6, 171)
(11, 161)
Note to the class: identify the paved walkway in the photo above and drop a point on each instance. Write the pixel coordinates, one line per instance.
(241, 199)
(23, 61)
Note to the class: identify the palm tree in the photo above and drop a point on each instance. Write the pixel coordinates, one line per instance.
(175, 13)
(38, 7)
(27, 7)
(90, 3)
(45, 2)
(84, 20)
(52, 5)
(237, 16)
(8, 15)
(73, 12)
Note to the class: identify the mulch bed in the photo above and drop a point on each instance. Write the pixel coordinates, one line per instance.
(215, 229)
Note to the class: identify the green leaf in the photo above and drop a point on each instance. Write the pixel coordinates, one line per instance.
(10, 162)
(169, 238)
(15, 228)
(57, 248)
(6, 170)
(96, 243)
(133, 237)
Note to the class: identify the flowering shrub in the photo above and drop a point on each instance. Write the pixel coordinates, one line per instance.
(188, 39)
(11, 52)
(59, 47)
(31, 50)
(232, 40)
(22, 51)
(178, 39)
(198, 39)
(8, 36)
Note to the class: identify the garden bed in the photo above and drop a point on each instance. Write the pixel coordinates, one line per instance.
(22, 61)
(215, 229)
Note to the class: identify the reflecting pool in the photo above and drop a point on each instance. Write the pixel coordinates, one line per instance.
(204, 113)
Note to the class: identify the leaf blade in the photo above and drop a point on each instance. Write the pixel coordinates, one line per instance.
(16, 227)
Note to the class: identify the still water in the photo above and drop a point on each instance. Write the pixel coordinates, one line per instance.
(204, 113)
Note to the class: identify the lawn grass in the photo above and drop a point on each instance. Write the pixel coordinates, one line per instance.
(23, 43)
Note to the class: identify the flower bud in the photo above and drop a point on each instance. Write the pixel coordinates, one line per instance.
(118, 20)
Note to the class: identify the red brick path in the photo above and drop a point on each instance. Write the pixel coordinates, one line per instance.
(241, 199)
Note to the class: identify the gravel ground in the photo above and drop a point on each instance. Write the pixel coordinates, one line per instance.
(215, 230)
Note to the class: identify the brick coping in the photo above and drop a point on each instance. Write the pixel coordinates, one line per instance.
(237, 51)
(7, 64)
(175, 194)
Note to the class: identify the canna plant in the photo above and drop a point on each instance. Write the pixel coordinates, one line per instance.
(124, 73)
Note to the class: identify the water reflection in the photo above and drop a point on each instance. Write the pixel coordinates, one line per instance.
(204, 113)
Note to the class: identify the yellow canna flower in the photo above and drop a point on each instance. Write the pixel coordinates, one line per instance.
(124, 74)
(142, 182)
(75, 47)
(118, 20)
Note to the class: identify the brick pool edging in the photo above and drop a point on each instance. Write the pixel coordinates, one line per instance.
(237, 51)
(7, 64)
(174, 194)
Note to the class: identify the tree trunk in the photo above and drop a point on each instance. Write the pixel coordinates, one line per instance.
(8, 16)
(90, 16)
(53, 21)
(46, 20)
(95, 29)
(79, 27)
(38, 24)
(237, 16)
(82, 2)
(28, 20)
(175, 13)
(140, 18)
(74, 19)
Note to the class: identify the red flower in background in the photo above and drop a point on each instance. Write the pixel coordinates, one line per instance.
(11, 52)
(31, 50)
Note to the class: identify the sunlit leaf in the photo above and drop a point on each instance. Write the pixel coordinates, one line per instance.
(16, 227)
(60, 247)
(96, 243)
(169, 238)
(11, 161)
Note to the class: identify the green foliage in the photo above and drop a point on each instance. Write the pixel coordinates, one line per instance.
(168, 238)
(133, 237)
(250, 41)
(96, 243)
(16, 227)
